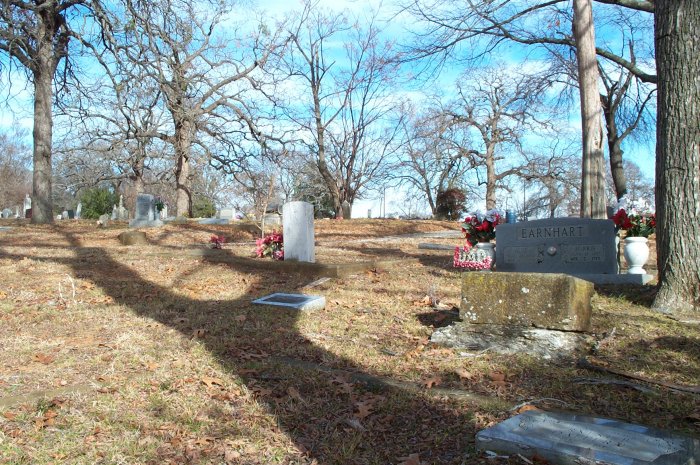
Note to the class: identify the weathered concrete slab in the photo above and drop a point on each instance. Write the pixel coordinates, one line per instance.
(510, 340)
(213, 221)
(559, 245)
(567, 439)
(543, 300)
(296, 301)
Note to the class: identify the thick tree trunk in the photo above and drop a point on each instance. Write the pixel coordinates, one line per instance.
(42, 203)
(592, 163)
(677, 23)
(184, 133)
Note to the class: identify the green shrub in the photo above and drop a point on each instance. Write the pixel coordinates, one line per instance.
(203, 207)
(97, 201)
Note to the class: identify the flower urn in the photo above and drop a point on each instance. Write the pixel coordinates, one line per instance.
(488, 249)
(636, 254)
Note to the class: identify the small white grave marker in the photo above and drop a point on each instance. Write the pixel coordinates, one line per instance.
(298, 224)
(296, 301)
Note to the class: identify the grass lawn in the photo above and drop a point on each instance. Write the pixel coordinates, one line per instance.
(155, 355)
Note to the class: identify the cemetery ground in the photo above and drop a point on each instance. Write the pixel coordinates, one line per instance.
(154, 354)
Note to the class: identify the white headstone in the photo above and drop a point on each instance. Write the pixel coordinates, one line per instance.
(115, 215)
(6, 213)
(27, 204)
(298, 224)
(17, 211)
(78, 210)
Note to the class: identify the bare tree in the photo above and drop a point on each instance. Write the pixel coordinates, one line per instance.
(15, 163)
(36, 34)
(497, 109)
(431, 158)
(348, 111)
(205, 84)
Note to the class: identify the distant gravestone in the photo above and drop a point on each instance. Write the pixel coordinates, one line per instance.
(103, 221)
(133, 238)
(562, 438)
(6, 213)
(298, 224)
(78, 210)
(227, 214)
(71, 214)
(27, 206)
(65, 215)
(115, 214)
(17, 211)
(558, 245)
(146, 215)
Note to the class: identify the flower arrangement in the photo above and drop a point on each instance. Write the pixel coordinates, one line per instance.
(471, 261)
(481, 227)
(159, 204)
(272, 245)
(635, 224)
(217, 241)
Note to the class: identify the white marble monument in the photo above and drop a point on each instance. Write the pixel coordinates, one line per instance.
(298, 224)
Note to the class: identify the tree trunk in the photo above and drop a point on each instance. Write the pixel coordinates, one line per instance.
(592, 163)
(614, 149)
(490, 179)
(42, 203)
(678, 155)
(184, 133)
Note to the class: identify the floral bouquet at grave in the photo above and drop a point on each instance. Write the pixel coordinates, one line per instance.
(636, 225)
(481, 227)
(272, 245)
(472, 259)
(159, 204)
(217, 241)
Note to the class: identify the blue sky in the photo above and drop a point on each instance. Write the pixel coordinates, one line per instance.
(399, 29)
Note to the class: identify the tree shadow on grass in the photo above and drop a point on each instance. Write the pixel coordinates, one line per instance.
(274, 359)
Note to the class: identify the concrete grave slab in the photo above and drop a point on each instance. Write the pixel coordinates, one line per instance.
(567, 439)
(430, 246)
(213, 221)
(574, 246)
(296, 301)
(551, 301)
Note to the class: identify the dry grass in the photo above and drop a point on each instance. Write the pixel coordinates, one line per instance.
(146, 355)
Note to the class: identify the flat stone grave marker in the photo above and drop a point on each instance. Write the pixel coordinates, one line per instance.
(297, 301)
(563, 438)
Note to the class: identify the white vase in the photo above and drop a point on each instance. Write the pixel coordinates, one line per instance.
(636, 254)
(489, 249)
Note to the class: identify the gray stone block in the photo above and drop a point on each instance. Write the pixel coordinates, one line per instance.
(552, 301)
(296, 301)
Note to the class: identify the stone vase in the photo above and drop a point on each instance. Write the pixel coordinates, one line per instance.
(489, 249)
(636, 254)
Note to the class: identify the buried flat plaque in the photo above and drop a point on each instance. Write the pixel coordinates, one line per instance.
(563, 438)
(296, 301)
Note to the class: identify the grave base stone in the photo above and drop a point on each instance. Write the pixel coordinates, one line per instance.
(568, 439)
(543, 300)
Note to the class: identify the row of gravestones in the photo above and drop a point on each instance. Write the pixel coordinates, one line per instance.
(27, 211)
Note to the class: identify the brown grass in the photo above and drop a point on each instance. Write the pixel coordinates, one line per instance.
(149, 355)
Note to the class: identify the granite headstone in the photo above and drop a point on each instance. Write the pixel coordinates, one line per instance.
(146, 214)
(298, 224)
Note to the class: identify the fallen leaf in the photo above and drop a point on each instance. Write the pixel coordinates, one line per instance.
(497, 376)
(241, 318)
(2, 295)
(44, 358)
(211, 382)
(198, 333)
(526, 408)
(432, 381)
(9, 415)
(364, 409)
(464, 374)
(293, 392)
(413, 459)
